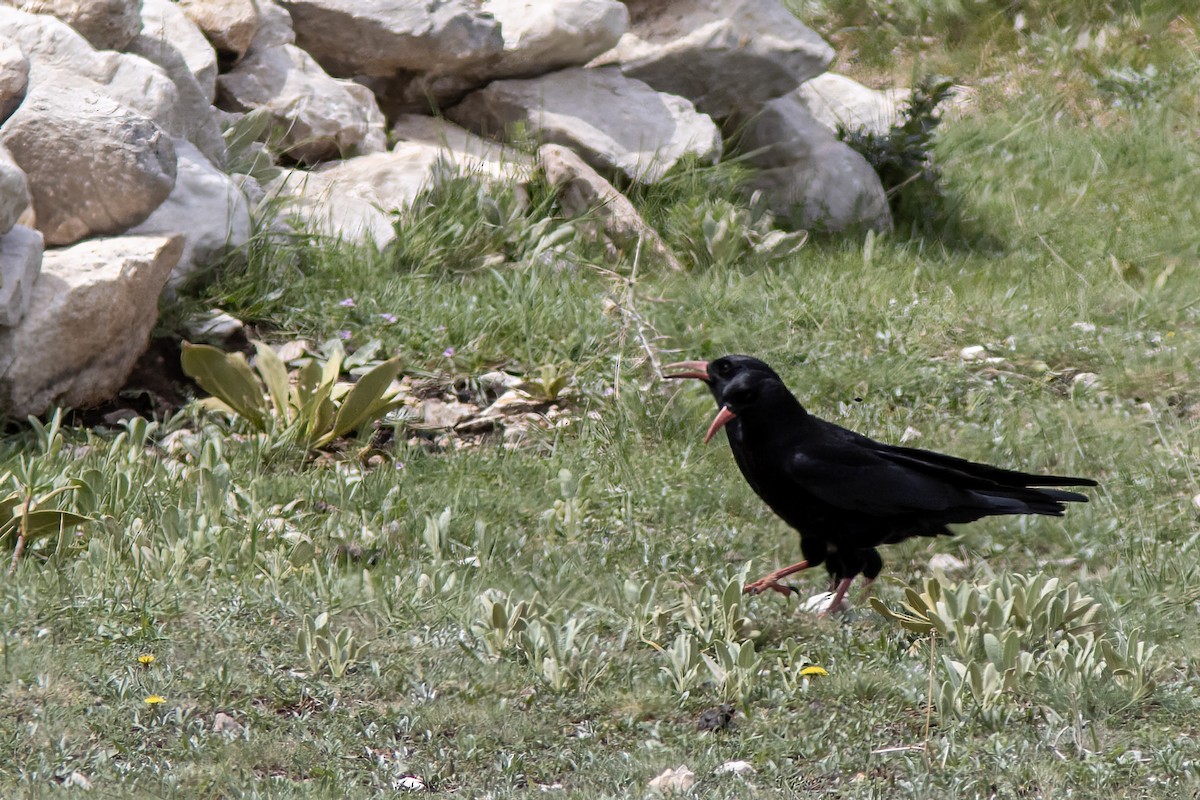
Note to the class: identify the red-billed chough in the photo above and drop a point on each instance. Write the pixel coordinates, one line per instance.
(845, 493)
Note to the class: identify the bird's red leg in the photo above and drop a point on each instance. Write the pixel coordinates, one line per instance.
(838, 598)
(772, 581)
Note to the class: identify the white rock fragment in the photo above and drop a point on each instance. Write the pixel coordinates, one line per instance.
(975, 352)
(679, 779)
(740, 768)
(944, 562)
(1086, 380)
(818, 603)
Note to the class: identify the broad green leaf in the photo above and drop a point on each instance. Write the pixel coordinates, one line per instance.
(228, 377)
(364, 399)
(50, 521)
(274, 374)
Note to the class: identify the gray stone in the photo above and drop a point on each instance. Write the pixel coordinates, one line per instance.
(168, 34)
(835, 100)
(725, 56)
(613, 122)
(20, 262)
(382, 38)
(14, 191)
(206, 207)
(322, 117)
(107, 24)
(541, 37)
(172, 41)
(14, 77)
(309, 202)
(93, 308)
(229, 24)
(126, 169)
(582, 192)
(807, 175)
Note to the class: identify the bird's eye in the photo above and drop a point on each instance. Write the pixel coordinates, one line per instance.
(721, 368)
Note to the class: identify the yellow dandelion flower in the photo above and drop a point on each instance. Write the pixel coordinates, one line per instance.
(813, 669)
(154, 700)
(146, 659)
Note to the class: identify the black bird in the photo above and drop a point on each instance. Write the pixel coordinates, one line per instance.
(845, 493)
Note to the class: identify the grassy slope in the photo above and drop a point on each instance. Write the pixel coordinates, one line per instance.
(1074, 209)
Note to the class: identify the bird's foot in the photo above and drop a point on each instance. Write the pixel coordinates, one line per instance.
(838, 604)
(769, 582)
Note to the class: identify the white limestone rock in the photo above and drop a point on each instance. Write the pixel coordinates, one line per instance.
(206, 207)
(613, 122)
(124, 172)
(20, 262)
(90, 317)
(322, 117)
(807, 175)
(726, 56)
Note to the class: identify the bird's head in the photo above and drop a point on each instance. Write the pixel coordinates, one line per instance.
(741, 385)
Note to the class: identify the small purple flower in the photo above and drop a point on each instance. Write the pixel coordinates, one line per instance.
(609, 391)
(449, 352)
(344, 335)
(439, 329)
(388, 318)
(347, 303)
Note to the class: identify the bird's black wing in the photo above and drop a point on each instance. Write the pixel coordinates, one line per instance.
(856, 473)
(857, 479)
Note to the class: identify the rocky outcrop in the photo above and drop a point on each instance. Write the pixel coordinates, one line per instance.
(311, 203)
(90, 317)
(124, 173)
(614, 122)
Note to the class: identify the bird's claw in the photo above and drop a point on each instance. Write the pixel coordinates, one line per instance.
(762, 584)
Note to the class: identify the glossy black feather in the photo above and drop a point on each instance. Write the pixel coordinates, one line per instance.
(846, 493)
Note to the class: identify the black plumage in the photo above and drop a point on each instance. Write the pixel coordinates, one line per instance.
(846, 493)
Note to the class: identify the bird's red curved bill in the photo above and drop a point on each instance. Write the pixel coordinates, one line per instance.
(692, 369)
(723, 416)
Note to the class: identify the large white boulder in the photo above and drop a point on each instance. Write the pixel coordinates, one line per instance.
(95, 167)
(173, 42)
(835, 100)
(312, 204)
(206, 207)
(321, 117)
(106, 24)
(541, 37)
(614, 122)
(229, 24)
(169, 34)
(20, 261)
(381, 38)
(807, 175)
(725, 56)
(60, 57)
(90, 317)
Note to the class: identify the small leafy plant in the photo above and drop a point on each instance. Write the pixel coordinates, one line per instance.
(1022, 638)
(315, 408)
(903, 155)
(323, 649)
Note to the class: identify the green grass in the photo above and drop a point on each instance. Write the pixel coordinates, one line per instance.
(211, 553)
